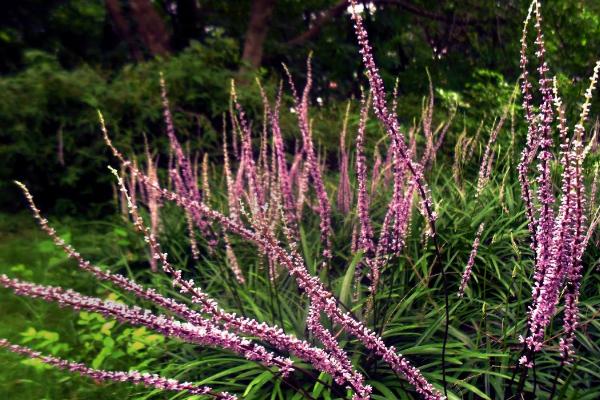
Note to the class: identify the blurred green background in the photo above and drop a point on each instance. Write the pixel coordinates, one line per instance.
(61, 60)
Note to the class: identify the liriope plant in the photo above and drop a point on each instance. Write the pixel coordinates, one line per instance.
(558, 222)
(267, 200)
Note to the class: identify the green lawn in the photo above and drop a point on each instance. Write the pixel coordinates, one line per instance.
(27, 253)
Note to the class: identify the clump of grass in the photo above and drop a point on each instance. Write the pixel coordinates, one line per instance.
(308, 307)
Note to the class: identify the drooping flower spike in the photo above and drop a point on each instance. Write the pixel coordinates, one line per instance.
(132, 376)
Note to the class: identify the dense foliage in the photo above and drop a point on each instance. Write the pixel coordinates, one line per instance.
(50, 129)
(62, 59)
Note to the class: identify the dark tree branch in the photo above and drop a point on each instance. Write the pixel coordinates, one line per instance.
(336, 10)
(323, 18)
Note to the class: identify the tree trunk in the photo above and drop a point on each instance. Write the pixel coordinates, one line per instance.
(150, 27)
(123, 29)
(260, 14)
(143, 25)
(188, 24)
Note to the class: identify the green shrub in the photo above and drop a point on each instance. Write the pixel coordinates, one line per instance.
(45, 104)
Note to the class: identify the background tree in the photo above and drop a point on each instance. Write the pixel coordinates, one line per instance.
(258, 26)
(62, 59)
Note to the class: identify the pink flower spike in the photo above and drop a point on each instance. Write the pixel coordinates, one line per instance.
(469, 267)
(132, 376)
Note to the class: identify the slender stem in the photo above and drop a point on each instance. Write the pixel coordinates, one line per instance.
(523, 378)
(508, 394)
(447, 314)
(534, 375)
(335, 389)
(296, 386)
(556, 376)
(523, 351)
(271, 292)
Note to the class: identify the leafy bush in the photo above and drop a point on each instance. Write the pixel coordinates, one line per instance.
(55, 109)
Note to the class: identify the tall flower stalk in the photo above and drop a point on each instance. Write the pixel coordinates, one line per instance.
(557, 221)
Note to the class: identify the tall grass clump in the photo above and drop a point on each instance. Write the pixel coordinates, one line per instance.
(319, 297)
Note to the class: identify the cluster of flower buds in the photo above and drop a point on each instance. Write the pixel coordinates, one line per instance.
(557, 221)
